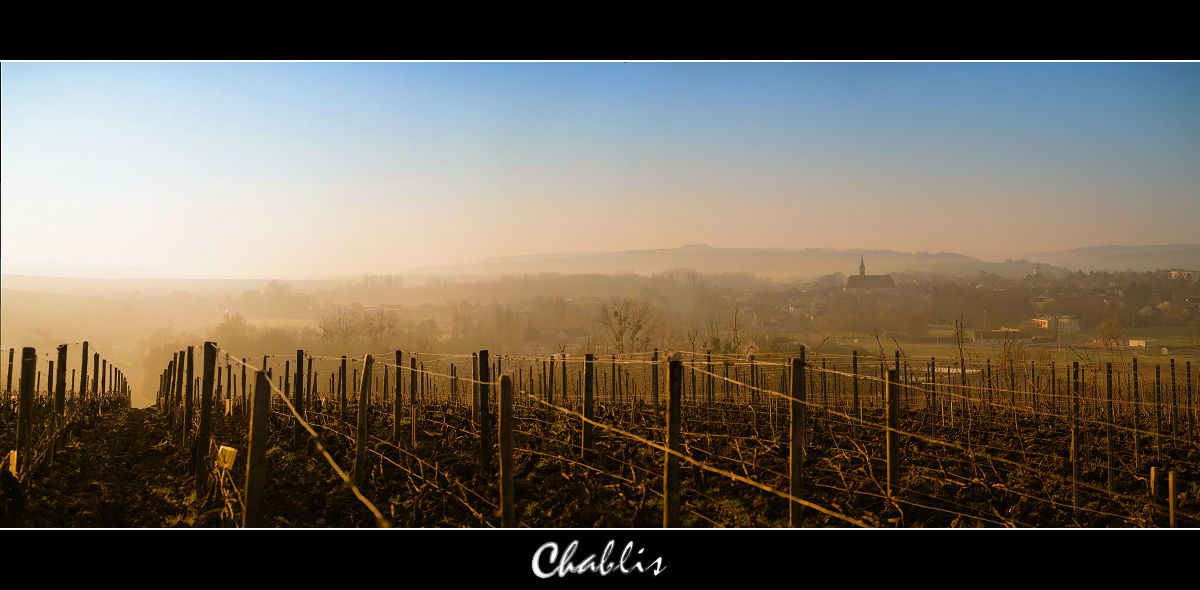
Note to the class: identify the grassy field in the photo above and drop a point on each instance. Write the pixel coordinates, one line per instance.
(1171, 336)
(1065, 353)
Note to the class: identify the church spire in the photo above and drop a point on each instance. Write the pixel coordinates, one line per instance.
(862, 266)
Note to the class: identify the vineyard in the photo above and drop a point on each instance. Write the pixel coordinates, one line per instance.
(40, 422)
(686, 439)
(697, 440)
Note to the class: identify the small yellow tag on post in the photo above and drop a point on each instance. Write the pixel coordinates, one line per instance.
(225, 457)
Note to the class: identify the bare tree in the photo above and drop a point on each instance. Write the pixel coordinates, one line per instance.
(379, 328)
(735, 336)
(692, 336)
(341, 327)
(630, 324)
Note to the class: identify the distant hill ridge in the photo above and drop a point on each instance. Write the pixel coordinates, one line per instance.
(1138, 258)
(776, 263)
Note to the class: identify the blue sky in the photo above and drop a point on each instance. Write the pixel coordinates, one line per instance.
(225, 169)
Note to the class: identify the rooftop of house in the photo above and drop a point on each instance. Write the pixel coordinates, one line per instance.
(870, 282)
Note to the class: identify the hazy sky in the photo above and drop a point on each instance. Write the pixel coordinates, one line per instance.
(298, 170)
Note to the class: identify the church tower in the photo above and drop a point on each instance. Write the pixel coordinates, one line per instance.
(864, 283)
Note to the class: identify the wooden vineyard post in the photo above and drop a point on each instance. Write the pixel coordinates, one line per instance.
(1171, 497)
(508, 516)
(565, 389)
(989, 388)
(60, 400)
(497, 371)
(8, 385)
(1052, 405)
(298, 398)
(709, 385)
(229, 384)
(1187, 374)
(475, 387)
(589, 376)
(671, 465)
(412, 398)
(1153, 484)
(168, 394)
(897, 355)
(25, 408)
(82, 398)
(342, 391)
(189, 392)
(1075, 435)
(1158, 414)
(550, 379)
(396, 399)
(309, 387)
(217, 399)
(775, 403)
(824, 389)
(1108, 427)
(856, 413)
(1137, 410)
(1174, 403)
(200, 452)
(892, 393)
(1033, 391)
(542, 384)
(245, 396)
(485, 442)
(930, 386)
(796, 446)
(176, 396)
(453, 383)
(360, 446)
(95, 397)
(654, 381)
(962, 382)
(612, 397)
(256, 455)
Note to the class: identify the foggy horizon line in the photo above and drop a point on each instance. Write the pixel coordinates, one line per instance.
(89, 271)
